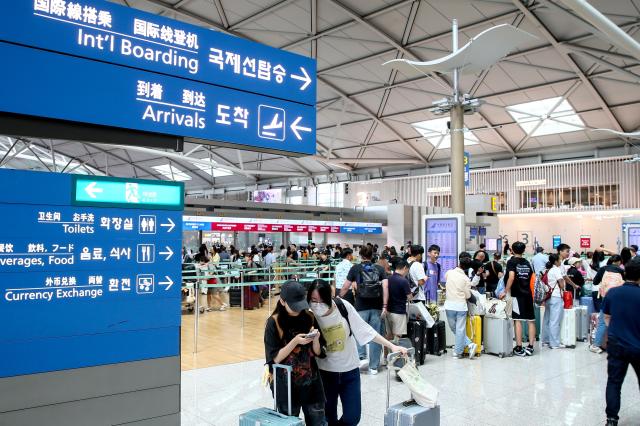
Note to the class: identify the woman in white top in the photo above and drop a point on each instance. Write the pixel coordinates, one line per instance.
(343, 329)
(554, 307)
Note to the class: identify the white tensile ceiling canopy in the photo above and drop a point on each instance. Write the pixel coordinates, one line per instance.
(544, 97)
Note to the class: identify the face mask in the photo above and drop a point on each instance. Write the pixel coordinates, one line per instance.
(319, 309)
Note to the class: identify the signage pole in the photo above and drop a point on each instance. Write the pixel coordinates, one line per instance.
(197, 317)
(242, 300)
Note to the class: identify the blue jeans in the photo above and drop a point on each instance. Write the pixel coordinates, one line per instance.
(601, 330)
(552, 321)
(458, 325)
(345, 386)
(372, 317)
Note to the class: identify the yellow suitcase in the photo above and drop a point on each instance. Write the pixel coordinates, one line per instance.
(474, 332)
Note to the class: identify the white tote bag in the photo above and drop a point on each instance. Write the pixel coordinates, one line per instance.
(425, 394)
(496, 308)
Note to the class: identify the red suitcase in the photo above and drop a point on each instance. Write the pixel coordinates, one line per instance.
(251, 298)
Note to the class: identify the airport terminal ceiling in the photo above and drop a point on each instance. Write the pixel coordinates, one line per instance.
(545, 98)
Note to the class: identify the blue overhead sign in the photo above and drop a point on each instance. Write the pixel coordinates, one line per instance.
(84, 285)
(127, 36)
(94, 92)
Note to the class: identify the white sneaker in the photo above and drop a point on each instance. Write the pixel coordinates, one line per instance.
(472, 350)
(595, 349)
(456, 356)
(560, 346)
(364, 363)
(373, 372)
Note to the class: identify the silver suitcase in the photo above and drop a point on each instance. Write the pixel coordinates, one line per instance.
(408, 413)
(582, 323)
(498, 336)
(266, 416)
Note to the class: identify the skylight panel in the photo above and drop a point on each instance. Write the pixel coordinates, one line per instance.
(535, 117)
(171, 172)
(213, 171)
(435, 131)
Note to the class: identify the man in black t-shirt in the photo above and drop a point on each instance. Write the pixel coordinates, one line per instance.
(399, 293)
(518, 284)
(372, 295)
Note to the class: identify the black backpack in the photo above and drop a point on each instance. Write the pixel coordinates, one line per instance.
(343, 311)
(370, 285)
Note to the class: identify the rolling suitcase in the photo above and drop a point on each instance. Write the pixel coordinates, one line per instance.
(498, 336)
(417, 333)
(437, 339)
(251, 298)
(266, 416)
(588, 302)
(568, 328)
(525, 327)
(408, 413)
(582, 323)
(450, 337)
(474, 332)
(235, 293)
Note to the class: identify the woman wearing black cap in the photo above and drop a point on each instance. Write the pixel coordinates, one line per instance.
(292, 338)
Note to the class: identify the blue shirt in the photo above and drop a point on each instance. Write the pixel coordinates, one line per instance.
(622, 304)
(539, 262)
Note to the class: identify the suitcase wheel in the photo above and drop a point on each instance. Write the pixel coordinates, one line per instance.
(500, 355)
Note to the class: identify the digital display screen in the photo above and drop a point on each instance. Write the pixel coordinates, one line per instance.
(491, 244)
(444, 233)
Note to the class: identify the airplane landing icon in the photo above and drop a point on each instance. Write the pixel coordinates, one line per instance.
(271, 122)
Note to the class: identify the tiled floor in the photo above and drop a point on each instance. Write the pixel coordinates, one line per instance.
(554, 387)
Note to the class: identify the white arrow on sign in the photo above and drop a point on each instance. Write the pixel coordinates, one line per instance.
(295, 128)
(91, 189)
(169, 225)
(168, 282)
(169, 253)
(307, 80)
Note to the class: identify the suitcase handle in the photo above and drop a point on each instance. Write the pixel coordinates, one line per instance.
(289, 370)
(391, 358)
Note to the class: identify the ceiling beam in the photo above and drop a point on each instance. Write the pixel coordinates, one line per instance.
(374, 118)
(487, 96)
(347, 24)
(260, 14)
(569, 60)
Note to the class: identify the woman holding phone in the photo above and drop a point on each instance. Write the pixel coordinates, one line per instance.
(292, 338)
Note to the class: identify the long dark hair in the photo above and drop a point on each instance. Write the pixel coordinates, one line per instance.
(324, 291)
(614, 258)
(553, 258)
(291, 326)
(598, 256)
(625, 254)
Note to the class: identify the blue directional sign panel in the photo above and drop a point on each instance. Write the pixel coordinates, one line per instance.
(93, 92)
(122, 35)
(84, 285)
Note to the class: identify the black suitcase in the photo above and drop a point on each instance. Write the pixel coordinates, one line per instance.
(436, 339)
(234, 296)
(417, 333)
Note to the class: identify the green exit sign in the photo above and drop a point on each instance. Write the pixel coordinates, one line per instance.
(128, 193)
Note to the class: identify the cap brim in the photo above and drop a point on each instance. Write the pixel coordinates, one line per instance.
(299, 306)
